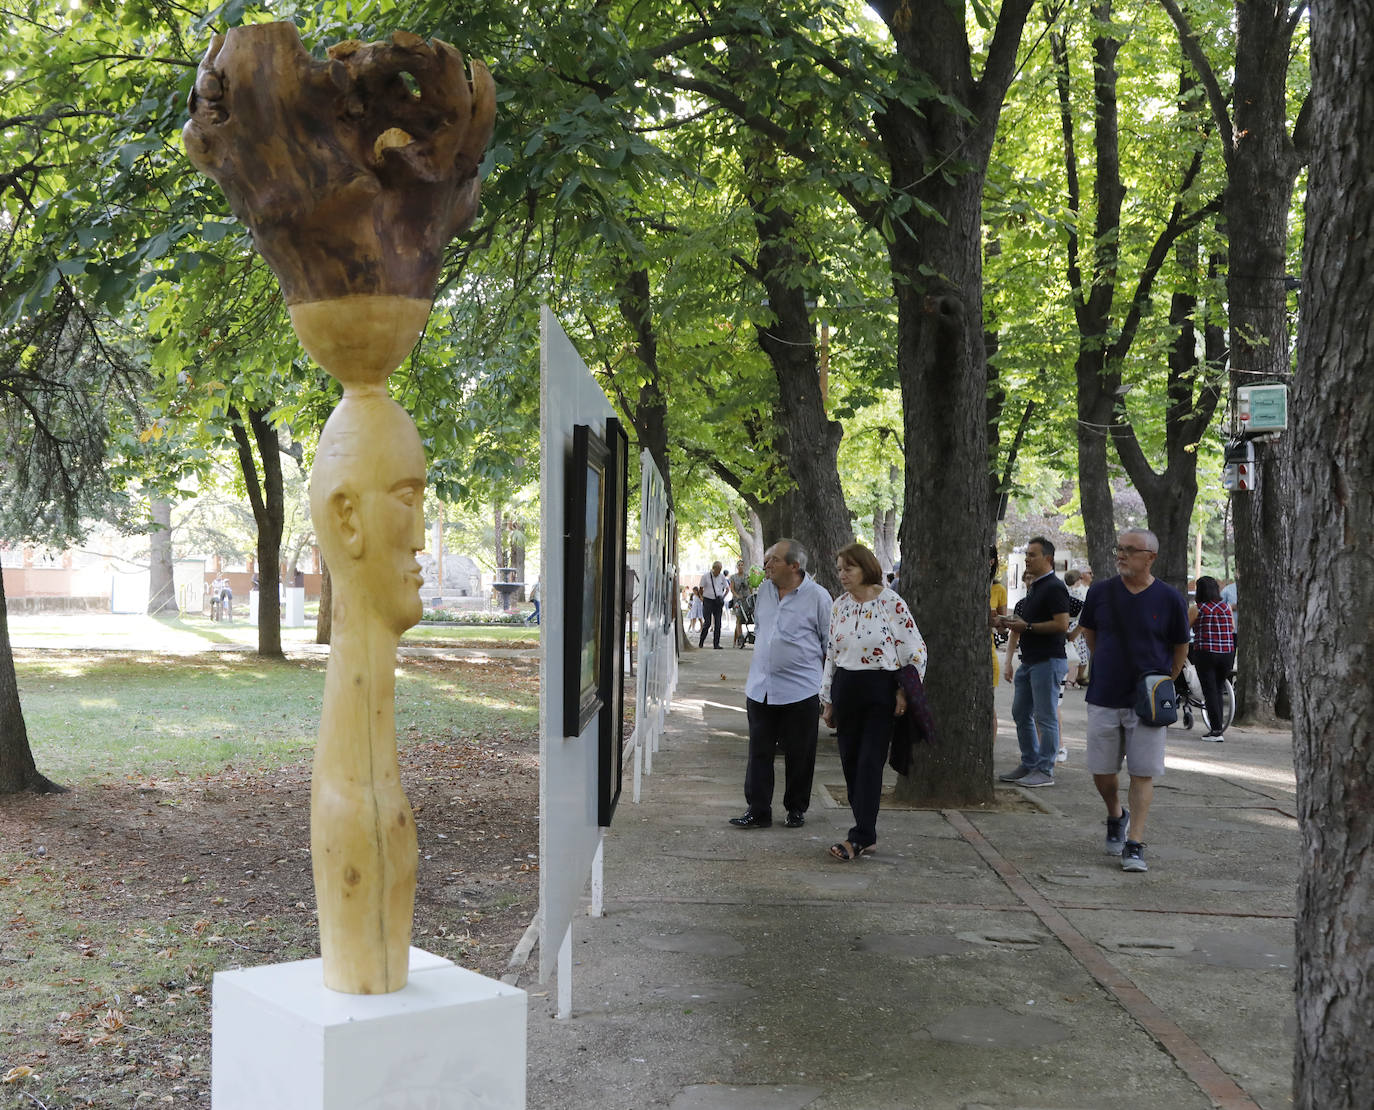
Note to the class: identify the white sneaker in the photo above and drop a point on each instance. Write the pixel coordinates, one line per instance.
(1062, 755)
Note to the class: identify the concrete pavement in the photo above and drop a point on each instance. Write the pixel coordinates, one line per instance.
(994, 959)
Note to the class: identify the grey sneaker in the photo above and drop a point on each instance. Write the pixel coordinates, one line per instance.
(1133, 857)
(1036, 778)
(1016, 774)
(1116, 832)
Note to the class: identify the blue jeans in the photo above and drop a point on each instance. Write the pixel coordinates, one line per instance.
(1035, 708)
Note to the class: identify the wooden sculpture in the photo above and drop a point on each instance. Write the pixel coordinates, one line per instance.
(353, 174)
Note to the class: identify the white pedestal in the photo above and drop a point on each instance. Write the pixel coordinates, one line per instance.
(451, 1040)
(295, 607)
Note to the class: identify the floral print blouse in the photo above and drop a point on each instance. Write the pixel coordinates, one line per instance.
(878, 635)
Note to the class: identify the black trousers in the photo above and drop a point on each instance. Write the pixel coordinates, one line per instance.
(864, 704)
(711, 609)
(791, 727)
(1213, 668)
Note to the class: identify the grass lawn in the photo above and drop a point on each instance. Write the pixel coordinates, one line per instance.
(195, 633)
(101, 715)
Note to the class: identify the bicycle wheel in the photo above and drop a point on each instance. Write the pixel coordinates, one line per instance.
(1228, 709)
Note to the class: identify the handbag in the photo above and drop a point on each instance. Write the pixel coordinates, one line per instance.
(1156, 700)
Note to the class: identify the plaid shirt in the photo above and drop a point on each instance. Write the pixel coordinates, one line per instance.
(1213, 631)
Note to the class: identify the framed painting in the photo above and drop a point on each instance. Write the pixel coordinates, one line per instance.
(611, 734)
(584, 569)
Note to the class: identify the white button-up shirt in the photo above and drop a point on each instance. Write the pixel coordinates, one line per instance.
(715, 585)
(789, 643)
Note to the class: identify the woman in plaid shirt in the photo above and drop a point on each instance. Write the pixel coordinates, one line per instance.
(1214, 647)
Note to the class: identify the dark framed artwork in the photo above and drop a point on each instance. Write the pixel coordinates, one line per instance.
(584, 585)
(611, 734)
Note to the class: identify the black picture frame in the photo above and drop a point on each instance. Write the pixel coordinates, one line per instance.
(584, 584)
(611, 733)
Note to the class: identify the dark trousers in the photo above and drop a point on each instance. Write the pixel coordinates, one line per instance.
(711, 609)
(864, 704)
(791, 727)
(1213, 668)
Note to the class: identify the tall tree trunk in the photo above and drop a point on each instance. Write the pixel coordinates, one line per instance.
(1262, 164)
(1169, 494)
(18, 772)
(649, 413)
(808, 439)
(1262, 170)
(268, 501)
(162, 590)
(1333, 473)
(936, 263)
(324, 620)
(517, 555)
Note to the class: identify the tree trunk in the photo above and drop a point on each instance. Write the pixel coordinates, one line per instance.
(650, 412)
(517, 555)
(1169, 494)
(942, 364)
(324, 620)
(268, 502)
(162, 591)
(1262, 169)
(18, 772)
(809, 440)
(1333, 473)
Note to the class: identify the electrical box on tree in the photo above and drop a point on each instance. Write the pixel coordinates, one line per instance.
(1262, 408)
(1240, 474)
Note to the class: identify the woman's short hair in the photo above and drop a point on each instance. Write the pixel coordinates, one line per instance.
(857, 555)
(1207, 590)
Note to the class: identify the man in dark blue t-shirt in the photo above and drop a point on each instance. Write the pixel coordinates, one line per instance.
(1035, 689)
(1134, 624)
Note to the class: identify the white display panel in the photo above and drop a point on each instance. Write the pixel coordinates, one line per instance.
(568, 830)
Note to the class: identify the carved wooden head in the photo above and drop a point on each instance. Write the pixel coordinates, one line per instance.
(353, 173)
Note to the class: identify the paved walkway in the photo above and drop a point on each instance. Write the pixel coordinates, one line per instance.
(981, 959)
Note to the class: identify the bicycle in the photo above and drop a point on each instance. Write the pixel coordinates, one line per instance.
(1189, 691)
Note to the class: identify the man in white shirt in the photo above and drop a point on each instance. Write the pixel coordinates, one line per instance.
(715, 588)
(782, 694)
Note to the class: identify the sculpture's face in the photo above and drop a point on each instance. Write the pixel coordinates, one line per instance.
(367, 500)
(392, 515)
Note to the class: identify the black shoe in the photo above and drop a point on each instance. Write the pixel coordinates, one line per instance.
(749, 821)
(795, 819)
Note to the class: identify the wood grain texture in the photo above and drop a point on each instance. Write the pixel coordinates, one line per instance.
(353, 173)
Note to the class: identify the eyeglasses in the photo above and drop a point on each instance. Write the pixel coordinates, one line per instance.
(1133, 550)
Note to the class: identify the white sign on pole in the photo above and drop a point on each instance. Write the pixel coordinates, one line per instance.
(568, 778)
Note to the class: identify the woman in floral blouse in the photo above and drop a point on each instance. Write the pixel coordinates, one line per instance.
(872, 635)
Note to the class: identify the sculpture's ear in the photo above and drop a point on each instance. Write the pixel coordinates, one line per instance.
(343, 509)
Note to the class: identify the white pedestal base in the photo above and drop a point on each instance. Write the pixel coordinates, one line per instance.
(451, 1040)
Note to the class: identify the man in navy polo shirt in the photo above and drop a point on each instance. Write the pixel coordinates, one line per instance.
(1035, 696)
(1135, 624)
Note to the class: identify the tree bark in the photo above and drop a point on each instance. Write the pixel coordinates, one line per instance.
(1262, 171)
(268, 501)
(324, 619)
(808, 440)
(1333, 473)
(1262, 164)
(18, 772)
(162, 591)
(936, 263)
(649, 413)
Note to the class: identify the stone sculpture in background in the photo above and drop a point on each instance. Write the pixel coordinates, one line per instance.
(353, 174)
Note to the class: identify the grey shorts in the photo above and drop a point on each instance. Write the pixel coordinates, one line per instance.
(1117, 735)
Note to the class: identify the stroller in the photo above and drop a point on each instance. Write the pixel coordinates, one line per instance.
(744, 620)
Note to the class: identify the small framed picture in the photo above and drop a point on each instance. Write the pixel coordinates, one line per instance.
(585, 582)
